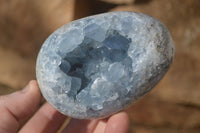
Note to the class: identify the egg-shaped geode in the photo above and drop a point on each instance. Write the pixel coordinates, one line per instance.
(98, 65)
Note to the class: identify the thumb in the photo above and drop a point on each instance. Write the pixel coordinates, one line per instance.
(17, 106)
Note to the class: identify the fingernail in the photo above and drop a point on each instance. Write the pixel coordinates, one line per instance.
(25, 89)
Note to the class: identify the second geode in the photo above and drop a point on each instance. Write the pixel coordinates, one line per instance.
(96, 66)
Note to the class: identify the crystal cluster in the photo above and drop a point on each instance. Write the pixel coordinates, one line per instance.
(96, 66)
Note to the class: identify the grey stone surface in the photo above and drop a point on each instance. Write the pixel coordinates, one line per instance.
(96, 66)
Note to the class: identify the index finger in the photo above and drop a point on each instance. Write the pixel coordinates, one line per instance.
(47, 120)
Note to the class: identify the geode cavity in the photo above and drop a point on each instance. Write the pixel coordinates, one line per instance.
(96, 66)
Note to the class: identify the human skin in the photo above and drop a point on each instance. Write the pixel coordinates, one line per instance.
(22, 104)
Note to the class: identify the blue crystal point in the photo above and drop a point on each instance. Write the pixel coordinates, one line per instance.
(98, 65)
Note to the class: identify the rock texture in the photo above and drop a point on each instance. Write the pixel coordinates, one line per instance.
(119, 1)
(98, 65)
(175, 107)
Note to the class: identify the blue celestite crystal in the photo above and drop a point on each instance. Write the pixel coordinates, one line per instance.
(96, 66)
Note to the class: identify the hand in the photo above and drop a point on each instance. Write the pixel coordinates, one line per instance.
(22, 104)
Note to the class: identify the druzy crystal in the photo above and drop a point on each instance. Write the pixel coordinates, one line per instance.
(98, 65)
